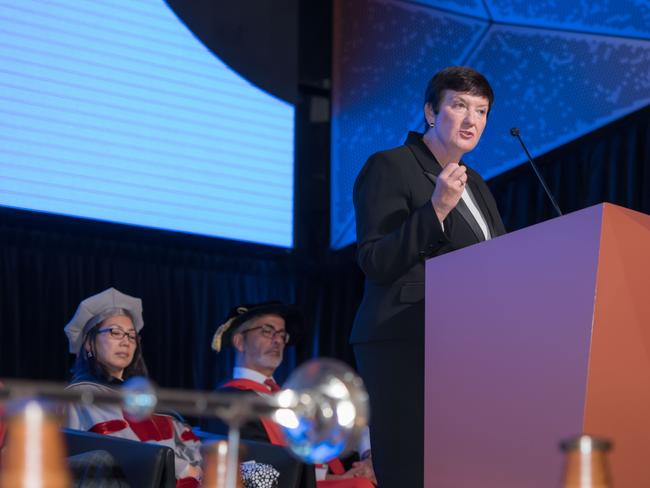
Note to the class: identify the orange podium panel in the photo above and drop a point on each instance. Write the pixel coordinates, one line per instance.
(533, 337)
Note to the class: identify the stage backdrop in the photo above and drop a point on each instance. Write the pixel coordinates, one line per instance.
(559, 70)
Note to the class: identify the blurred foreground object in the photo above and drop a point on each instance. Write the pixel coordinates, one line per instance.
(35, 454)
(329, 412)
(586, 463)
(322, 411)
(215, 468)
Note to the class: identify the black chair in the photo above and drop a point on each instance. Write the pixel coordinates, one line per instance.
(145, 465)
(293, 472)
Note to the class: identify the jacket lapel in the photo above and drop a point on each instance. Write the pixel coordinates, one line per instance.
(466, 213)
(481, 203)
(431, 169)
(423, 156)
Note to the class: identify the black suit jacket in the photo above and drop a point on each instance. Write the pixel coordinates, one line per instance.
(397, 230)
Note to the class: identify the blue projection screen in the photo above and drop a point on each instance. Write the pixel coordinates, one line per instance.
(114, 110)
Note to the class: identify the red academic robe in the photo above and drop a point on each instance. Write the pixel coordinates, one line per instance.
(158, 429)
(274, 433)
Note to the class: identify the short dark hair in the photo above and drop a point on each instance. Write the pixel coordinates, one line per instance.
(86, 366)
(460, 79)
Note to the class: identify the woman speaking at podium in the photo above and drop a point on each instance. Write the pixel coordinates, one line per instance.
(413, 202)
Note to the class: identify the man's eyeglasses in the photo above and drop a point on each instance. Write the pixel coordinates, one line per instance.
(119, 334)
(269, 332)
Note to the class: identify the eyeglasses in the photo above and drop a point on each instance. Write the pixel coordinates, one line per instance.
(119, 334)
(269, 332)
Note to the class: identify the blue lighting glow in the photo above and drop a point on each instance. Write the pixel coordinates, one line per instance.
(559, 70)
(113, 110)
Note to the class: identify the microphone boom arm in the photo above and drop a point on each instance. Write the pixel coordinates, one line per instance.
(515, 133)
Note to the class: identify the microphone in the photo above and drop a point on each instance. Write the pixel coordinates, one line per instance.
(514, 132)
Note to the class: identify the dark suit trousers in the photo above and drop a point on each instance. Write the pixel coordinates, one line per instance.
(393, 372)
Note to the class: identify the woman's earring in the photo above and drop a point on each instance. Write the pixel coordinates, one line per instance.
(432, 125)
(89, 354)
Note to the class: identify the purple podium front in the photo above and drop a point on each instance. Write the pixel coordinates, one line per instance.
(533, 337)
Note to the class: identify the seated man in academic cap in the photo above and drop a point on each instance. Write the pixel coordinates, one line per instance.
(259, 334)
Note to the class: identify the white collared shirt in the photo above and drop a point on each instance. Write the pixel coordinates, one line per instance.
(241, 373)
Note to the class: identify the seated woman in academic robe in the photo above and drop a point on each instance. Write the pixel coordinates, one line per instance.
(104, 335)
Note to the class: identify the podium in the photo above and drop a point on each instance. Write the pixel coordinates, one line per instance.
(533, 337)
